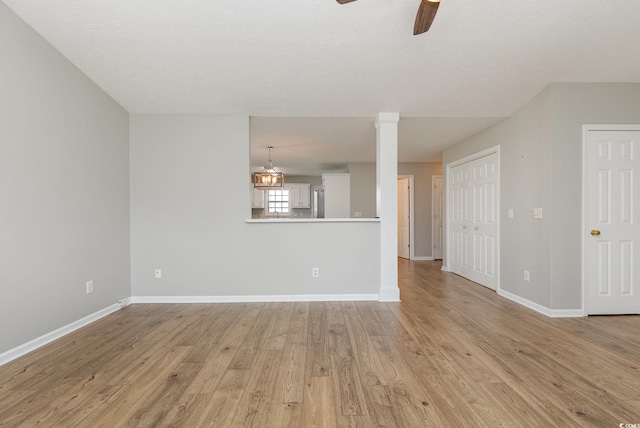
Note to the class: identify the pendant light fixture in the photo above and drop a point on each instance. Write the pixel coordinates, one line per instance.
(268, 178)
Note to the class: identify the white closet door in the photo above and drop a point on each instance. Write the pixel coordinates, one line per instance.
(476, 214)
(474, 220)
(460, 220)
(488, 226)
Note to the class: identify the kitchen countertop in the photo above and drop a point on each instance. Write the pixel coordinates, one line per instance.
(313, 220)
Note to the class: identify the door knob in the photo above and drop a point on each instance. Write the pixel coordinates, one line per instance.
(595, 232)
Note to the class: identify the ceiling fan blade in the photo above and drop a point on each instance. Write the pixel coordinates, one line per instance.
(345, 1)
(426, 14)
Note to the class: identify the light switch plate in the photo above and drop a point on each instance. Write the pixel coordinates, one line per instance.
(537, 213)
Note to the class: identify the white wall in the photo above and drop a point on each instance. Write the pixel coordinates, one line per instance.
(525, 173)
(576, 104)
(189, 202)
(64, 189)
(337, 198)
(541, 161)
(363, 188)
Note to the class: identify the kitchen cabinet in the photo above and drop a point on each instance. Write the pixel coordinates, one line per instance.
(299, 195)
(257, 198)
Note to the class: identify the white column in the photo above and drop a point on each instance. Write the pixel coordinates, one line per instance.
(387, 203)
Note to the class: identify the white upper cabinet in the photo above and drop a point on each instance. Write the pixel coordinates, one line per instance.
(257, 198)
(299, 194)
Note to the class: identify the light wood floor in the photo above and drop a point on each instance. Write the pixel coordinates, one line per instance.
(452, 354)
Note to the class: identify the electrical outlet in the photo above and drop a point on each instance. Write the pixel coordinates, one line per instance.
(89, 285)
(526, 275)
(120, 304)
(315, 272)
(510, 212)
(158, 273)
(358, 214)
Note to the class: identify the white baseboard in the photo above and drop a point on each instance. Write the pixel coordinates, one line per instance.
(421, 258)
(552, 313)
(124, 302)
(257, 299)
(389, 295)
(38, 342)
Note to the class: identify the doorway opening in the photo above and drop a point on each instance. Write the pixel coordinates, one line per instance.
(405, 217)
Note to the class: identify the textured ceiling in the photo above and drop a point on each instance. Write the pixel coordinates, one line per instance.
(481, 59)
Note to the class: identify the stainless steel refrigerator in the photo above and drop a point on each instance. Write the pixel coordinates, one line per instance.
(317, 201)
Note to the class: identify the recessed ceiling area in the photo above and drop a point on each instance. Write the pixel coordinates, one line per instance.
(312, 145)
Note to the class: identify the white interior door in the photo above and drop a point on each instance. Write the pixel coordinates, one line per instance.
(476, 220)
(460, 220)
(612, 175)
(403, 219)
(485, 222)
(438, 217)
(474, 193)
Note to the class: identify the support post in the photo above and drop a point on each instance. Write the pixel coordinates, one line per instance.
(387, 203)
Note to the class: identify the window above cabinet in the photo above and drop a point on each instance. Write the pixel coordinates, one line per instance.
(277, 202)
(281, 202)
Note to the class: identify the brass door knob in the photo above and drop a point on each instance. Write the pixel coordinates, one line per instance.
(595, 232)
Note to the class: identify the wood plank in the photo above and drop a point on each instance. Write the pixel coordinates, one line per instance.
(319, 408)
(226, 398)
(360, 421)
(36, 406)
(285, 415)
(347, 384)
(69, 407)
(291, 372)
(213, 410)
(135, 405)
(414, 402)
(220, 357)
(243, 358)
(318, 362)
(375, 387)
(275, 334)
(253, 407)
